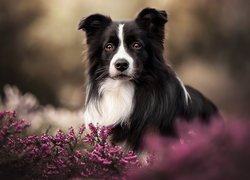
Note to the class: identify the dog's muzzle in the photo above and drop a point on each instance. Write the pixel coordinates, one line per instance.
(121, 70)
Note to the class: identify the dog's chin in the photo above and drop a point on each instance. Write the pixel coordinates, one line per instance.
(122, 77)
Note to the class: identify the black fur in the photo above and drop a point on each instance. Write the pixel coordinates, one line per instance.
(159, 97)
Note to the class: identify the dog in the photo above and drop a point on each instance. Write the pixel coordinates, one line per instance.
(130, 87)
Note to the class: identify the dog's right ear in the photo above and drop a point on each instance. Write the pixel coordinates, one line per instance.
(94, 23)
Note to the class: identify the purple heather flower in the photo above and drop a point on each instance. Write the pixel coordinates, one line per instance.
(71, 154)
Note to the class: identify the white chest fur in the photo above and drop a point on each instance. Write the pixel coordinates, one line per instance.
(114, 105)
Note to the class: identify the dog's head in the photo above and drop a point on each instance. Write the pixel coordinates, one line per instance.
(122, 50)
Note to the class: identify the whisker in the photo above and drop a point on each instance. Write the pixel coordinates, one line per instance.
(101, 76)
(100, 70)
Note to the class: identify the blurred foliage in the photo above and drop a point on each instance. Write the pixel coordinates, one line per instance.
(207, 42)
(33, 58)
(42, 118)
(15, 21)
(215, 36)
(217, 31)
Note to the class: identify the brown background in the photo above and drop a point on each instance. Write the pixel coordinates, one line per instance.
(207, 42)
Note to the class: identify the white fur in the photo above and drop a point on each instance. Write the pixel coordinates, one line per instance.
(114, 106)
(187, 95)
(121, 54)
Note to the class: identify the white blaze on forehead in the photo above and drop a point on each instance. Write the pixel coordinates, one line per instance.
(121, 53)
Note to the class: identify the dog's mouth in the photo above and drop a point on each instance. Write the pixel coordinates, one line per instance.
(122, 77)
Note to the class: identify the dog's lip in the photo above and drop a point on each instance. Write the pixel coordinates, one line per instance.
(122, 77)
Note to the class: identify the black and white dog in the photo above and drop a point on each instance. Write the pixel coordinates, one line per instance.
(130, 87)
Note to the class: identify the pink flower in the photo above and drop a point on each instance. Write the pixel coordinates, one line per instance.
(63, 155)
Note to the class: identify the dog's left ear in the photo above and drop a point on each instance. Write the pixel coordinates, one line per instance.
(152, 20)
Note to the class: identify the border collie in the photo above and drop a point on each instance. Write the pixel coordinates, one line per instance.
(130, 87)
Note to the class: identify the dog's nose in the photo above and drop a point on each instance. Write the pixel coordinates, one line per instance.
(121, 65)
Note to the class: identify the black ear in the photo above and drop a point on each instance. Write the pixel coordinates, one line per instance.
(94, 23)
(152, 20)
(151, 17)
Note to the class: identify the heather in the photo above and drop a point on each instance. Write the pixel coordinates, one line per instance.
(65, 155)
(41, 118)
(218, 152)
(36, 144)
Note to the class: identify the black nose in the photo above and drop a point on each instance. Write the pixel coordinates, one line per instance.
(121, 65)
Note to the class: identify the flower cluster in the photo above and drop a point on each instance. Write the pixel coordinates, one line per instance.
(40, 117)
(67, 155)
(220, 150)
(216, 151)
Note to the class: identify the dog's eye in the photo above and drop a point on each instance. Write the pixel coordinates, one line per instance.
(109, 47)
(136, 45)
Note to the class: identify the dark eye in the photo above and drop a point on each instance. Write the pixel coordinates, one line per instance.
(136, 45)
(109, 47)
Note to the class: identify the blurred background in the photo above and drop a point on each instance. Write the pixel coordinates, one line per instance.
(207, 43)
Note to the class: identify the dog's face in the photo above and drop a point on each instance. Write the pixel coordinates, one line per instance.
(122, 50)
